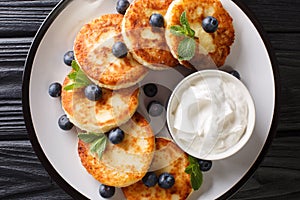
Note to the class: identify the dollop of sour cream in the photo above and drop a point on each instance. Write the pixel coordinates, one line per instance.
(211, 115)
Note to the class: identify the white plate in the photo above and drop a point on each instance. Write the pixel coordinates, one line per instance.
(57, 150)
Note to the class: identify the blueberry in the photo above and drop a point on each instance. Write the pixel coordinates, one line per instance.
(150, 90)
(122, 6)
(150, 179)
(155, 108)
(235, 74)
(64, 123)
(106, 191)
(116, 136)
(205, 165)
(55, 90)
(210, 24)
(68, 58)
(166, 180)
(93, 92)
(119, 50)
(157, 20)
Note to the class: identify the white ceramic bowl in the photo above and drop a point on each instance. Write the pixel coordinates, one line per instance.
(206, 75)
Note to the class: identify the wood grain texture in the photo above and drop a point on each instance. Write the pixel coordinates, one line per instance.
(13, 53)
(276, 15)
(23, 18)
(287, 50)
(23, 177)
(278, 176)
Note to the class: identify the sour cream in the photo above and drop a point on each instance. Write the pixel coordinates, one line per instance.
(209, 114)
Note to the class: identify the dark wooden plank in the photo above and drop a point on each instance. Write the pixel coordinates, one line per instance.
(21, 174)
(279, 174)
(54, 193)
(23, 18)
(13, 53)
(287, 50)
(276, 15)
(12, 57)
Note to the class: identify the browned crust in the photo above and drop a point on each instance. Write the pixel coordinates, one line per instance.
(67, 96)
(120, 176)
(182, 187)
(135, 21)
(111, 73)
(89, 111)
(223, 38)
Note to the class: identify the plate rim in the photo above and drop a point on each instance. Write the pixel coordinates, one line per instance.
(60, 180)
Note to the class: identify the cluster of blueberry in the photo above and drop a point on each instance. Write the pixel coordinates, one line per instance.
(92, 92)
(119, 49)
(154, 108)
(55, 90)
(209, 24)
(164, 180)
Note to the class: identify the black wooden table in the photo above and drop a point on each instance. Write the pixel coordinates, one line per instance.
(23, 176)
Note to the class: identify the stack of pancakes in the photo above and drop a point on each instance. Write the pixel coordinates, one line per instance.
(123, 165)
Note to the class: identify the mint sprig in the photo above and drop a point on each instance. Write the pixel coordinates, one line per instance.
(97, 142)
(194, 170)
(186, 47)
(78, 77)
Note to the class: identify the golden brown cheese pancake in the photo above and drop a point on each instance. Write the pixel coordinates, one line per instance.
(165, 149)
(93, 52)
(212, 49)
(147, 44)
(112, 110)
(125, 163)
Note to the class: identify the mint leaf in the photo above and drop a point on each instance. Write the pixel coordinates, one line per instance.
(98, 146)
(72, 75)
(183, 19)
(75, 66)
(186, 49)
(191, 32)
(97, 142)
(81, 77)
(88, 137)
(74, 86)
(177, 30)
(186, 25)
(189, 169)
(196, 180)
(78, 77)
(69, 87)
(101, 147)
(194, 170)
(193, 160)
